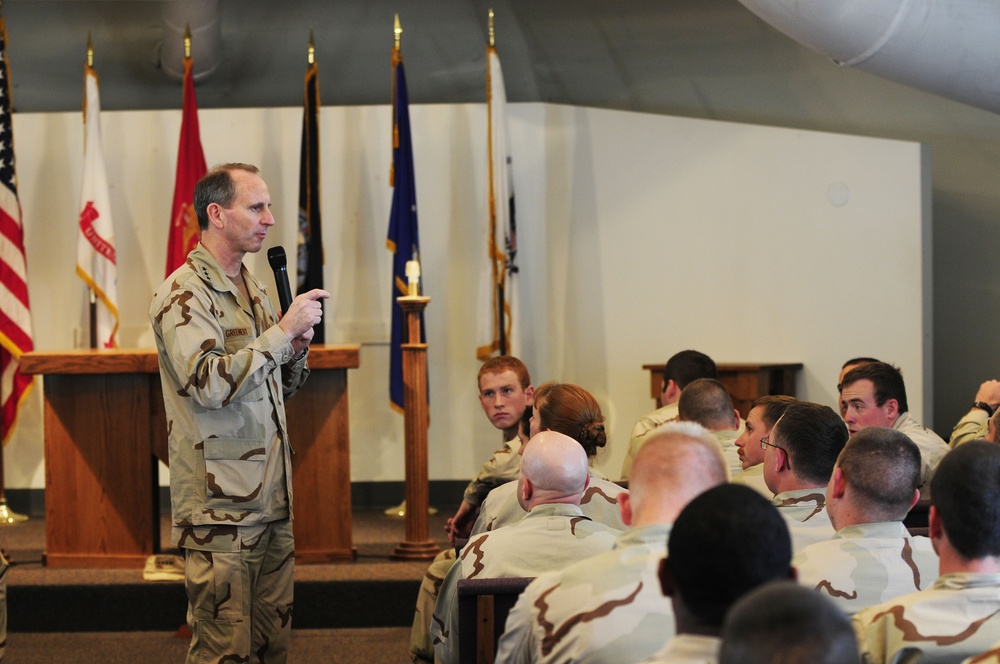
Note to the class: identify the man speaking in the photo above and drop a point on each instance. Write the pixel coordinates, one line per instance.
(226, 366)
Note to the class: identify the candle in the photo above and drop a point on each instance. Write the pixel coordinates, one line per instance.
(413, 278)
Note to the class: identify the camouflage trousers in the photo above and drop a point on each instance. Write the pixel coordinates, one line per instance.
(240, 602)
(421, 648)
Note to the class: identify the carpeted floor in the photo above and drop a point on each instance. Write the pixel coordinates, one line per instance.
(345, 612)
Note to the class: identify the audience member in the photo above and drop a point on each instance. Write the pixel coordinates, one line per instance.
(504, 392)
(609, 608)
(573, 411)
(845, 369)
(707, 402)
(799, 457)
(874, 395)
(973, 424)
(505, 395)
(554, 533)
(764, 412)
(785, 623)
(959, 615)
(872, 558)
(725, 543)
(679, 371)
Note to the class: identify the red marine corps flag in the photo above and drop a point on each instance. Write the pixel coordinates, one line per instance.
(184, 233)
(95, 248)
(15, 314)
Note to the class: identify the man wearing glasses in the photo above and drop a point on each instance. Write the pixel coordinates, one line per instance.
(799, 457)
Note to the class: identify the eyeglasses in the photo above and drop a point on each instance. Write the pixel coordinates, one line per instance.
(765, 443)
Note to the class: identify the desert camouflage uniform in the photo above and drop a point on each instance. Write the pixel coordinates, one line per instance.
(548, 538)
(727, 445)
(991, 656)
(502, 467)
(972, 426)
(688, 649)
(867, 564)
(608, 608)
(955, 618)
(641, 430)
(932, 447)
(753, 477)
(599, 503)
(805, 515)
(226, 369)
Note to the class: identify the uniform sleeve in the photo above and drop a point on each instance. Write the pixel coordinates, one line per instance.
(444, 622)
(972, 426)
(210, 367)
(501, 468)
(294, 374)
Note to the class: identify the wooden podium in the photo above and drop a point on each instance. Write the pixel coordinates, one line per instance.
(105, 427)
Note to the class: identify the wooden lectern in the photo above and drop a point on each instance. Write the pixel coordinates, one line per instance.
(417, 545)
(105, 426)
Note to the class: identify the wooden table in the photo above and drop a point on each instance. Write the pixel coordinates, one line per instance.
(745, 381)
(105, 427)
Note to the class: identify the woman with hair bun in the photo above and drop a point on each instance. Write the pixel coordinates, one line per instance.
(573, 411)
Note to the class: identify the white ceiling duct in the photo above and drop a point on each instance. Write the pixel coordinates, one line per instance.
(204, 19)
(949, 47)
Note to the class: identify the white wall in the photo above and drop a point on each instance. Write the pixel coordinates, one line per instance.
(640, 235)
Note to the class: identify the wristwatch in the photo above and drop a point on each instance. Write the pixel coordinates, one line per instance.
(985, 406)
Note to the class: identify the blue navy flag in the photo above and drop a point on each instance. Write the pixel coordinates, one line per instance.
(403, 239)
(310, 241)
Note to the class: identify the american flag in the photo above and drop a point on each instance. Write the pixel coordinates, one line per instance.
(15, 314)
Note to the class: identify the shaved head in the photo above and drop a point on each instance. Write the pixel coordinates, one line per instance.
(553, 469)
(679, 461)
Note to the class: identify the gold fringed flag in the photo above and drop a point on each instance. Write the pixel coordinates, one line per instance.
(15, 312)
(310, 244)
(95, 246)
(403, 238)
(498, 318)
(184, 233)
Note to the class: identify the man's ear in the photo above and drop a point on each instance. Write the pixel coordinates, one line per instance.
(527, 490)
(666, 579)
(625, 507)
(838, 483)
(671, 390)
(214, 212)
(529, 395)
(891, 408)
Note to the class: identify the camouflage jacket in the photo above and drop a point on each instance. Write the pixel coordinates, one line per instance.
(867, 564)
(548, 538)
(957, 617)
(641, 430)
(599, 502)
(608, 608)
(991, 656)
(972, 426)
(753, 477)
(688, 649)
(931, 445)
(225, 368)
(501, 468)
(805, 514)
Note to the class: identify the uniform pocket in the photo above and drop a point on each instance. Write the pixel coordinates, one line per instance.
(234, 474)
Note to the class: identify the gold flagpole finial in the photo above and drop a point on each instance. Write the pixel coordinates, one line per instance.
(187, 41)
(493, 36)
(90, 51)
(397, 31)
(311, 58)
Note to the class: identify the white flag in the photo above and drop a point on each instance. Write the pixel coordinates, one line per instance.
(499, 318)
(95, 248)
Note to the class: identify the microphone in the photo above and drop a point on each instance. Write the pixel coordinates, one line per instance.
(276, 257)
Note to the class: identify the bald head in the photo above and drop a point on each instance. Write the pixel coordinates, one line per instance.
(553, 470)
(678, 461)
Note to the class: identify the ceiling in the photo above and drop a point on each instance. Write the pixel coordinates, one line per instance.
(676, 56)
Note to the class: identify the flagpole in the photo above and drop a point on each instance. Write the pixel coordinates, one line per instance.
(90, 290)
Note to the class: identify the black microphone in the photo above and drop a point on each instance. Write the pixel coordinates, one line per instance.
(276, 257)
